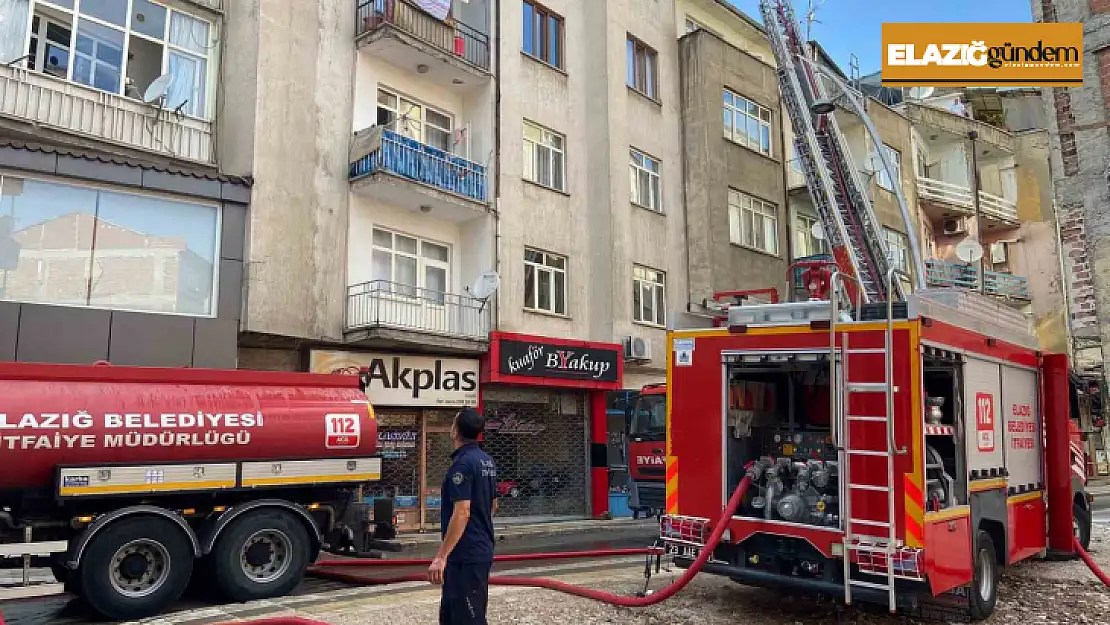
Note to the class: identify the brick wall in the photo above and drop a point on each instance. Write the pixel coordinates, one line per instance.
(1104, 71)
(1098, 6)
(1081, 288)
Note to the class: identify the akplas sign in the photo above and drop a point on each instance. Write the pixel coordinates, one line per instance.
(982, 55)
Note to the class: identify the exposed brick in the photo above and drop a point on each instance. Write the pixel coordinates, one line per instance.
(1104, 66)
(1061, 100)
(1100, 6)
(1069, 154)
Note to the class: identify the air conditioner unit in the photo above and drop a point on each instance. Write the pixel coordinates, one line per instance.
(636, 348)
(955, 226)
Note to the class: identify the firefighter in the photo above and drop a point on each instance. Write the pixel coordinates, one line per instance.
(468, 502)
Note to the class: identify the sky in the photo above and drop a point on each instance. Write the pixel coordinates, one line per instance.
(855, 26)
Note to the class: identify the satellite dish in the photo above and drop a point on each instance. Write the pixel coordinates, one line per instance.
(817, 230)
(919, 93)
(486, 285)
(969, 250)
(158, 89)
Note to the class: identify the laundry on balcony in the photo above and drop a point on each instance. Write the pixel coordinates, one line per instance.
(379, 150)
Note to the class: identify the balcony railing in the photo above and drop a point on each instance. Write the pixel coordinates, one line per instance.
(1005, 285)
(65, 106)
(960, 196)
(394, 153)
(382, 304)
(451, 37)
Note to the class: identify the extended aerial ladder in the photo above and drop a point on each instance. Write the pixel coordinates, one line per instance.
(863, 260)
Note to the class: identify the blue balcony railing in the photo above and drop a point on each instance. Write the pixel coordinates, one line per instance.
(423, 163)
(1005, 285)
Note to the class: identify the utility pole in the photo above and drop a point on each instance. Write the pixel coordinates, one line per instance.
(973, 135)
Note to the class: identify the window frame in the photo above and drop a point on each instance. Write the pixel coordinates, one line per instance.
(898, 245)
(636, 171)
(642, 78)
(210, 58)
(736, 229)
(729, 105)
(545, 133)
(641, 277)
(895, 157)
(217, 247)
(821, 246)
(423, 262)
(394, 124)
(547, 17)
(543, 266)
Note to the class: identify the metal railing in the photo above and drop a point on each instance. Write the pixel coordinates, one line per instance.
(384, 304)
(960, 196)
(70, 107)
(420, 162)
(999, 284)
(452, 37)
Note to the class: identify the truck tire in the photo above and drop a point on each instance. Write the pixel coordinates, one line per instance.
(262, 555)
(985, 578)
(135, 568)
(1081, 525)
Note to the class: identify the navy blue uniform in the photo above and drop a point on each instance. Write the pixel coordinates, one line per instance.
(472, 477)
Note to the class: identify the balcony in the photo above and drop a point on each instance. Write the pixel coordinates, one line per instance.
(1003, 285)
(794, 176)
(932, 121)
(53, 104)
(404, 172)
(949, 197)
(382, 310)
(448, 53)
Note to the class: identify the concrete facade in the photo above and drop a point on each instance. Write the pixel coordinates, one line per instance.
(1080, 152)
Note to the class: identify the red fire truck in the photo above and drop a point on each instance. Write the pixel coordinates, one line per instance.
(646, 438)
(131, 481)
(897, 454)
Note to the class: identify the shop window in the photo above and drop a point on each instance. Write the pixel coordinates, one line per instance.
(87, 246)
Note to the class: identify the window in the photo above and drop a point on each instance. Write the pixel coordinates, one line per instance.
(413, 267)
(894, 159)
(805, 244)
(747, 123)
(922, 164)
(544, 158)
(414, 120)
(644, 173)
(90, 246)
(649, 296)
(543, 34)
(643, 68)
(899, 248)
(545, 282)
(122, 46)
(753, 223)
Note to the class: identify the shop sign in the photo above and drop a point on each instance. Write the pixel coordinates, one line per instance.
(545, 360)
(394, 445)
(407, 379)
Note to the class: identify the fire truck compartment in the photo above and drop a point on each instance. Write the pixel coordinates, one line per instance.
(777, 416)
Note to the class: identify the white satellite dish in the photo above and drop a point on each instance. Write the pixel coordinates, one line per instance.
(969, 250)
(817, 230)
(158, 89)
(486, 285)
(919, 93)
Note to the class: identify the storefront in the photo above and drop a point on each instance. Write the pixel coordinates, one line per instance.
(415, 398)
(545, 405)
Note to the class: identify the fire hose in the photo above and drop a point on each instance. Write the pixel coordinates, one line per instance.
(1090, 562)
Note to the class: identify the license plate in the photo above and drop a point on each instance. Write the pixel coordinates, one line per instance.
(683, 551)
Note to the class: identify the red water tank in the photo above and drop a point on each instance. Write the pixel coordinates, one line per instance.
(53, 415)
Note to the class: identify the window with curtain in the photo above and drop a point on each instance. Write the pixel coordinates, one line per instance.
(119, 46)
(747, 123)
(649, 296)
(643, 68)
(413, 267)
(753, 223)
(545, 282)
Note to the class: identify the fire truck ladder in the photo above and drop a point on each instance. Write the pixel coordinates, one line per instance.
(849, 221)
(867, 546)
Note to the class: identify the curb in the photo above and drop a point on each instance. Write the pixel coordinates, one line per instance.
(413, 542)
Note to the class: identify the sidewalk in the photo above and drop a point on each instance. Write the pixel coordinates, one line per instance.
(509, 532)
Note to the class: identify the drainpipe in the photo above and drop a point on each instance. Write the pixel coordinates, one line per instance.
(495, 317)
(973, 135)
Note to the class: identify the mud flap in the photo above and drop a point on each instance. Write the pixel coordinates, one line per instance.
(953, 606)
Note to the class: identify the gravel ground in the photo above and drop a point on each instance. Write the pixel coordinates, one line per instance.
(1037, 593)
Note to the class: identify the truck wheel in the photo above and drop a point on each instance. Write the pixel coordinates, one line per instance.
(135, 568)
(262, 555)
(1081, 525)
(984, 581)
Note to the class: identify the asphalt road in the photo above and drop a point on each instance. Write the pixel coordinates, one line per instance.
(67, 610)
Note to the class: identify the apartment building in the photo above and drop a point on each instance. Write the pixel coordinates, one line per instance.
(121, 239)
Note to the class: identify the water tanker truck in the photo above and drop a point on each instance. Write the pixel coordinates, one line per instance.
(131, 481)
